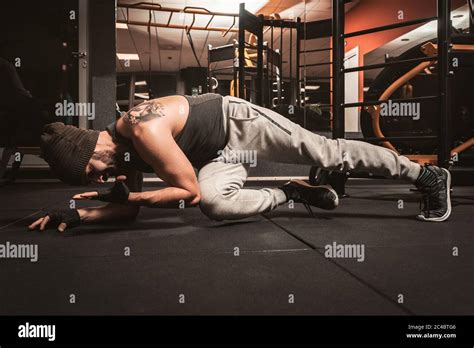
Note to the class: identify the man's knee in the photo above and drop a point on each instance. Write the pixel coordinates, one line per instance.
(218, 207)
(212, 208)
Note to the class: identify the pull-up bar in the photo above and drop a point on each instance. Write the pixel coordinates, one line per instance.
(389, 27)
(177, 26)
(147, 6)
(188, 9)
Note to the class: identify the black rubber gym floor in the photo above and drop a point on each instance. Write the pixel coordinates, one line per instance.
(181, 252)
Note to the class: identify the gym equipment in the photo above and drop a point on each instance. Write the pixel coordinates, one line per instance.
(444, 76)
(243, 56)
(392, 81)
(257, 67)
(285, 85)
(306, 32)
(194, 10)
(258, 59)
(229, 53)
(310, 31)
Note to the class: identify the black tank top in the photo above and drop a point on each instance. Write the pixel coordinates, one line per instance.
(202, 136)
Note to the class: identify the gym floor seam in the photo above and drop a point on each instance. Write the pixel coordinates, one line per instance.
(359, 279)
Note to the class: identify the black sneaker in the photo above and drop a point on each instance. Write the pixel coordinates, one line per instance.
(434, 183)
(323, 197)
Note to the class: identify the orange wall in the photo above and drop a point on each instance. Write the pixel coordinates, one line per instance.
(374, 13)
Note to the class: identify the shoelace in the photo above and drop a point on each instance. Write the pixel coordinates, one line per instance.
(430, 200)
(425, 205)
(306, 205)
(308, 208)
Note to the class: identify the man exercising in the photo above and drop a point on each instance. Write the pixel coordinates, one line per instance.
(171, 136)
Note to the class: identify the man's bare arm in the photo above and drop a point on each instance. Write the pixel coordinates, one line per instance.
(108, 212)
(170, 197)
(99, 214)
(158, 148)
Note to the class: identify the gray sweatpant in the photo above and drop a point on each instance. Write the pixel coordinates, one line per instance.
(257, 131)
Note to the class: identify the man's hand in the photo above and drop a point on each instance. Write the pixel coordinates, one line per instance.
(117, 194)
(62, 219)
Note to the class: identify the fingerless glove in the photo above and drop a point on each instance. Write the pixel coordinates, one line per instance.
(117, 194)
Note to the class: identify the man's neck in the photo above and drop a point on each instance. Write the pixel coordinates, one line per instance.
(105, 143)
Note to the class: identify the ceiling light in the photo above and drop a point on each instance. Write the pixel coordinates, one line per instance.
(312, 88)
(140, 83)
(128, 56)
(121, 26)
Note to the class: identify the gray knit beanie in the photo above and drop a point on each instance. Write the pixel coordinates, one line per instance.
(68, 149)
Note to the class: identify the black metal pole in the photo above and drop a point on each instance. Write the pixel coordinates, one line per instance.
(209, 72)
(280, 77)
(390, 26)
(259, 84)
(241, 67)
(391, 63)
(235, 69)
(270, 89)
(292, 91)
(444, 73)
(281, 71)
(338, 80)
(265, 79)
(471, 16)
(298, 50)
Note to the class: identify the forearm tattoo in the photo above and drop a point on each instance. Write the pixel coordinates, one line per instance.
(144, 112)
